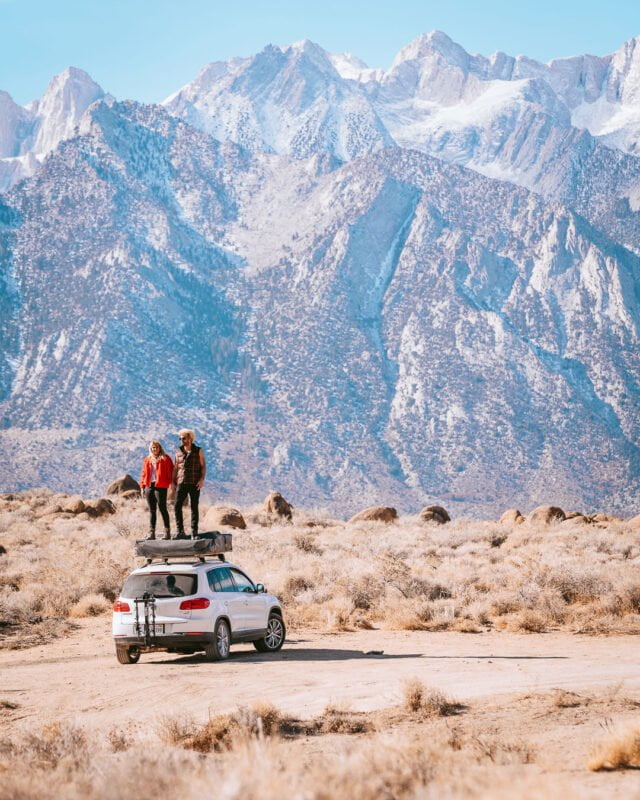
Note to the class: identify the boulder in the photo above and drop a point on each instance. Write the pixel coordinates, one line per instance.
(100, 507)
(124, 484)
(375, 514)
(634, 522)
(512, 517)
(436, 514)
(49, 511)
(576, 518)
(604, 518)
(131, 494)
(545, 515)
(218, 516)
(275, 503)
(73, 505)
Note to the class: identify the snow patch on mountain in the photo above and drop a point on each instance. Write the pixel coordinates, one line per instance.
(395, 329)
(28, 134)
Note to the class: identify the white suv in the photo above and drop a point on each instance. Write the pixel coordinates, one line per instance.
(194, 605)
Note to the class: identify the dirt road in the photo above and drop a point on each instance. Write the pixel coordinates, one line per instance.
(78, 678)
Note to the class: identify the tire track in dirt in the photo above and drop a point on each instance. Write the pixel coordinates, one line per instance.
(79, 678)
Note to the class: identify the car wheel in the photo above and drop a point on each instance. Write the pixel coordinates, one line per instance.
(274, 637)
(219, 648)
(127, 655)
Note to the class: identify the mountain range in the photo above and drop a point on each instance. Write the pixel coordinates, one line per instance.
(358, 285)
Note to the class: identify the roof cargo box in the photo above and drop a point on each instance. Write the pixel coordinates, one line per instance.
(205, 544)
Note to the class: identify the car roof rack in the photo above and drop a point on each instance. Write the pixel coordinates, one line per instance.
(209, 544)
(176, 560)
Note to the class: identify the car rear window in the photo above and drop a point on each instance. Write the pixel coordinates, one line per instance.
(160, 584)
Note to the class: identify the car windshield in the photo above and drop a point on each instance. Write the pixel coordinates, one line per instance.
(160, 584)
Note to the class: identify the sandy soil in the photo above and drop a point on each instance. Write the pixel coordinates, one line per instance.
(78, 678)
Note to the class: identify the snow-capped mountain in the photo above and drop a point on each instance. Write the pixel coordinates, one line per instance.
(397, 329)
(313, 264)
(598, 94)
(509, 118)
(28, 133)
(290, 101)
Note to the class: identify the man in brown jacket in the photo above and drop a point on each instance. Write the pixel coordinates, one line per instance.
(188, 475)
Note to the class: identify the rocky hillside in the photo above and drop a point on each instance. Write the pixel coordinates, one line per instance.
(394, 329)
(277, 258)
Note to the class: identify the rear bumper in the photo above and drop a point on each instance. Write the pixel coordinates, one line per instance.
(199, 640)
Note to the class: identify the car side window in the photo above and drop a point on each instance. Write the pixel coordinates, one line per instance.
(243, 584)
(214, 580)
(226, 581)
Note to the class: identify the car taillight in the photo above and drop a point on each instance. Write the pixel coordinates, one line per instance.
(193, 605)
(119, 605)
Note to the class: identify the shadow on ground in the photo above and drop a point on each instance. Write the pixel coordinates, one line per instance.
(299, 654)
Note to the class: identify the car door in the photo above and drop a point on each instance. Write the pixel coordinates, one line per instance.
(220, 580)
(255, 605)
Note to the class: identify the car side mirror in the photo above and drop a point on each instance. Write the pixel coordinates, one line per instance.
(260, 588)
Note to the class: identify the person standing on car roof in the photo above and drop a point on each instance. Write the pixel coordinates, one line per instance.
(157, 477)
(188, 474)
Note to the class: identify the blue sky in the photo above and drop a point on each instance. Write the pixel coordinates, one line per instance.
(145, 50)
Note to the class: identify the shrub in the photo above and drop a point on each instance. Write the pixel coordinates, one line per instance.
(342, 720)
(223, 731)
(295, 584)
(307, 543)
(432, 702)
(619, 751)
(529, 621)
(54, 743)
(92, 605)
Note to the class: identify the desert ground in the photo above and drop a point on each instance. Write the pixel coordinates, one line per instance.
(469, 659)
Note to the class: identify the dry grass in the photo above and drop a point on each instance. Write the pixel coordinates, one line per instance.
(254, 753)
(465, 576)
(565, 699)
(119, 740)
(620, 750)
(91, 605)
(223, 732)
(429, 702)
(336, 719)
(53, 745)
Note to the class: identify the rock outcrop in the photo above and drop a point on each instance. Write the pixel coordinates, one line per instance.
(100, 507)
(376, 514)
(274, 503)
(73, 505)
(545, 515)
(436, 514)
(512, 516)
(124, 484)
(223, 516)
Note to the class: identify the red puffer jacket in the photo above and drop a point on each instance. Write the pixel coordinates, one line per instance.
(164, 472)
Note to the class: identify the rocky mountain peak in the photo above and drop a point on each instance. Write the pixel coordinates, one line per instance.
(426, 45)
(60, 108)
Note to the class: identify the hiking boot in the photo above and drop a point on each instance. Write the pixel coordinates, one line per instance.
(167, 535)
(181, 535)
(152, 535)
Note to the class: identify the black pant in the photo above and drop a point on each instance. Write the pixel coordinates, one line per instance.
(192, 490)
(157, 498)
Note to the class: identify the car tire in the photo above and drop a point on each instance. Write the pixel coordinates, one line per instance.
(274, 637)
(127, 655)
(219, 648)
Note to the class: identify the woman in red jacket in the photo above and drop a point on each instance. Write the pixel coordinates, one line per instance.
(157, 477)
